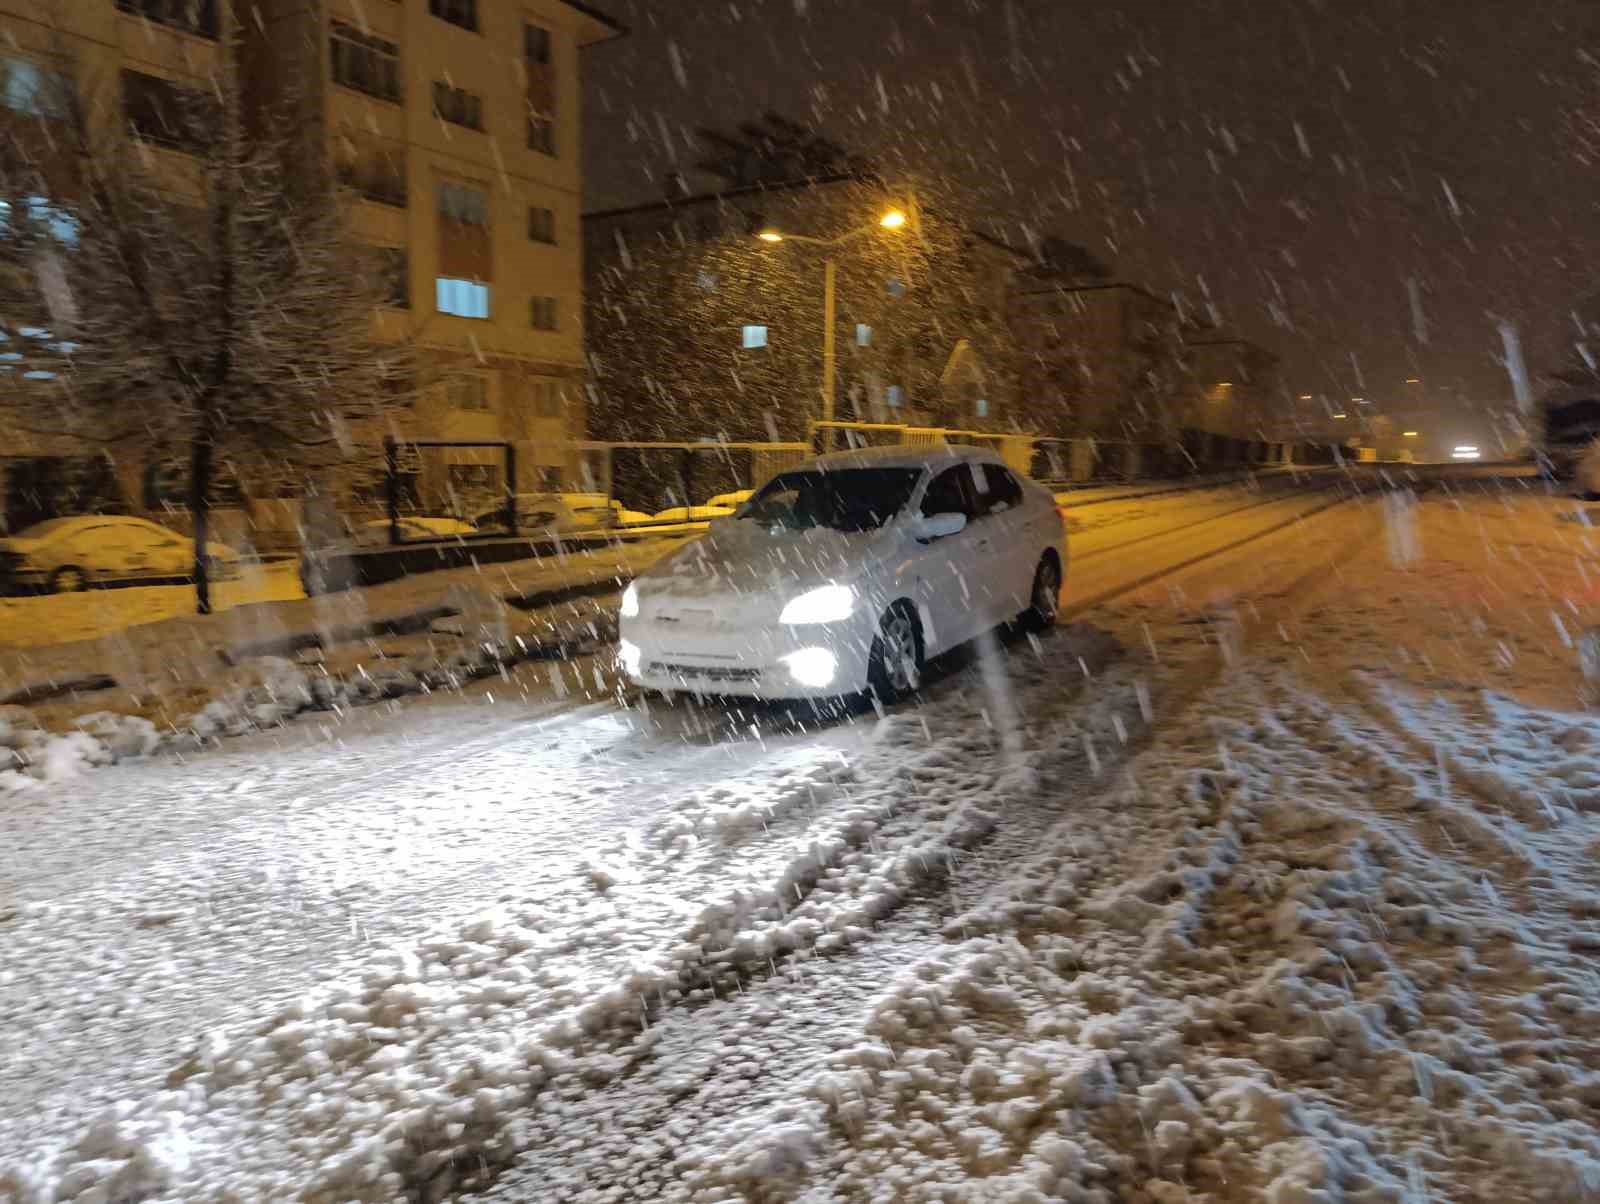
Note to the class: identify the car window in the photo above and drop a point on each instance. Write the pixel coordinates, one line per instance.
(840, 499)
(1004, 490)
(950, 493)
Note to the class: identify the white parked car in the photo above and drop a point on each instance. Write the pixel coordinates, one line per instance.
(64, 555)
(846, 574)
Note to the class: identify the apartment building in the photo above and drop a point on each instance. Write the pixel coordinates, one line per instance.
(453, 124)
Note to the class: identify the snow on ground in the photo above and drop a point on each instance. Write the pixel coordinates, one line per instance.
(1248, 890)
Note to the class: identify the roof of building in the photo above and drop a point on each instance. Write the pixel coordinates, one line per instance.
(602, 26)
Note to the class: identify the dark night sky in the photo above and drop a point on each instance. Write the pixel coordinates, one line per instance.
(1296, 161)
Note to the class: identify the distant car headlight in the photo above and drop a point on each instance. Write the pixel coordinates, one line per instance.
(629, 655)
(825, 604)
(630, 601)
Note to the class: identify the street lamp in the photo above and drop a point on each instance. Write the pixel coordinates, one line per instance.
(890, 219)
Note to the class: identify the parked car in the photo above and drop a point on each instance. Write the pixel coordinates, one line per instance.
(64, 555)
(847, 574)
(563, 512)
(731, 500)
(412, 527)
(692, 514)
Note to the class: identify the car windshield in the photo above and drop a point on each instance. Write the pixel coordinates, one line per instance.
(843, 499)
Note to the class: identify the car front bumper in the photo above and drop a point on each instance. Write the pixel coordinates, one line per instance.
(820, 660)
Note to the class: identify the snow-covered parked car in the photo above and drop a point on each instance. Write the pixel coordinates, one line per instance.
(412, 527)
(846, 574)
(692, 514)
(563, 512)
(68, 554)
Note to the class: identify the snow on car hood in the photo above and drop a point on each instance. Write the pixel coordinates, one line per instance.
(745, 559)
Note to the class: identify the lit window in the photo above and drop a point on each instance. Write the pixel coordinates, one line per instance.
(28, 88)
(980, 408)
(463, 298)
(863, 335)
(542, 313)
(755, 336)
(895, 395)
(60, 224)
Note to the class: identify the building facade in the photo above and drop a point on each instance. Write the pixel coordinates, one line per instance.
(453, 126)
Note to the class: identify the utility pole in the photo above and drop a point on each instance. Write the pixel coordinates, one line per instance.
(828, 354)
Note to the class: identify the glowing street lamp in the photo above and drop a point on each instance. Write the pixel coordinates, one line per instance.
(890, 219)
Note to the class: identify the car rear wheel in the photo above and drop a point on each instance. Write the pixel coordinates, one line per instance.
(69, 579)
(1044, 602)
(895, 667)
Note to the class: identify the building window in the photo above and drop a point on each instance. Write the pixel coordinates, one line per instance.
(457, 106)
(363, 62)
(541, 224)
(458, 12)
(29, 88)
(895, 397)
(463, 298)
(539, 67)
(377, 174)
(469, 392)
(980, 408)
(191, 16)
(896, 288)
(463, 203)
(160, 111)
(546, 398)
(392, 272)
(708, 281)
(542, 313)
(754, 336)
(863, 335)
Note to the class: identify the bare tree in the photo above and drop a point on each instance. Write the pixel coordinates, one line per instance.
(199, 285)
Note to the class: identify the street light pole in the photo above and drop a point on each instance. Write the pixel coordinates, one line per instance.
(893, 219)
(828, 354)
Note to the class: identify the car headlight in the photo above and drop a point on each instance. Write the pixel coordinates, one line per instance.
(825, 604)
(630, 601)
(629, 656)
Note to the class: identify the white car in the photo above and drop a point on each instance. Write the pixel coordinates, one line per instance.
(65, 555)
(846, 574)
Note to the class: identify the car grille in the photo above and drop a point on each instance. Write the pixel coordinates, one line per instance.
(704, 672)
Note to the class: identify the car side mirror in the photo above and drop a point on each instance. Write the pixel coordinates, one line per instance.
(938, 526)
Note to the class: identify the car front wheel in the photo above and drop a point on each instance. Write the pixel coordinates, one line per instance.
(895, 668)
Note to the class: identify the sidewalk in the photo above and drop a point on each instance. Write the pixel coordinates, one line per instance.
(193, 678)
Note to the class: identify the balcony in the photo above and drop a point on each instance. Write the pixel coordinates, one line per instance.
(197, 17)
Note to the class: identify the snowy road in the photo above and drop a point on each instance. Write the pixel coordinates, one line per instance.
(751, 887)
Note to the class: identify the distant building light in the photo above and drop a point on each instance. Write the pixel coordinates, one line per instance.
(863, 335)
(1341, 415)
(1412, 380)
(1305, 397)
(980, 408)
(754, 336)
(894, 396)
(1410, 434)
